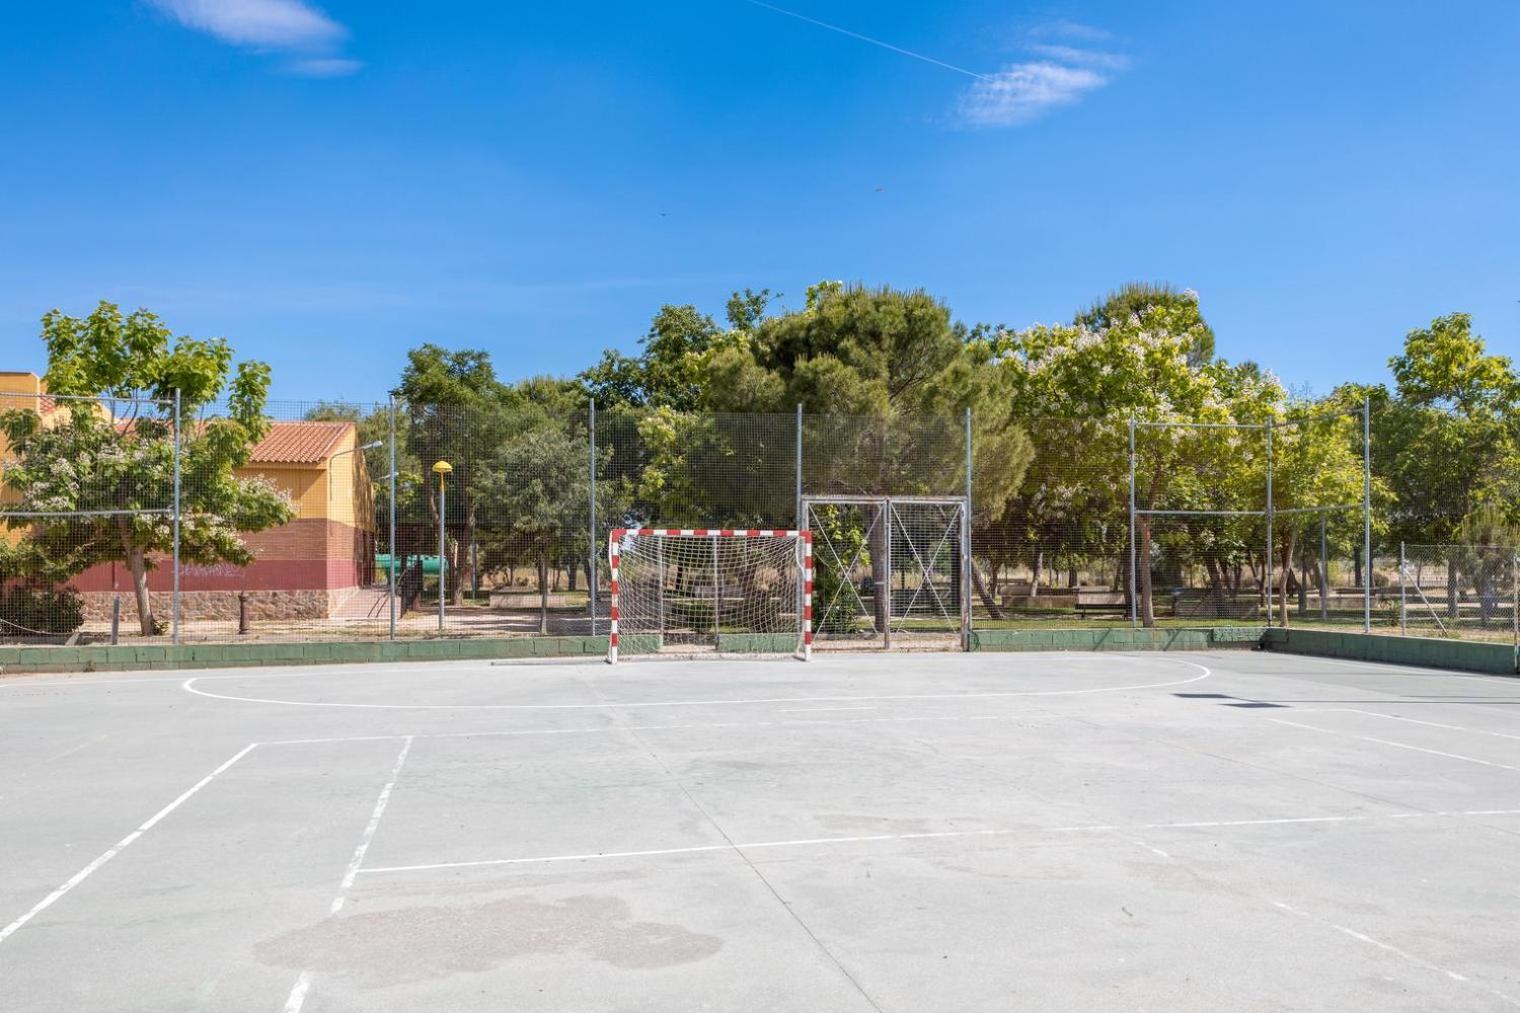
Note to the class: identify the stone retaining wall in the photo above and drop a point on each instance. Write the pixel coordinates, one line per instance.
(220, 605)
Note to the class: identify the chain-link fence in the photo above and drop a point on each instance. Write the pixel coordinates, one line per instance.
(1323, 580)
(89, 516)
(1050, 530)
(1456, 591)
(348, 520)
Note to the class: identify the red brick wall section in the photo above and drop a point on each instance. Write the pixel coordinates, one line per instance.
(304, 555)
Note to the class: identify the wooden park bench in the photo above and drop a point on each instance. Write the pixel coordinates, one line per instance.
(1092, 600)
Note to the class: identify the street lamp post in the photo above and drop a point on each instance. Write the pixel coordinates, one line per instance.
(351, 450)
(442, 469)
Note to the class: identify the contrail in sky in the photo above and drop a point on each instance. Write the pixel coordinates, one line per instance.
(867, 38)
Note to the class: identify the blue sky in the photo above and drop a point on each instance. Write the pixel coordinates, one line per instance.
(328, 185)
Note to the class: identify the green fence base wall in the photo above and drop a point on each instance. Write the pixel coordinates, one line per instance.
(1495, 659)
(131, 658)
(1125, 639)
(1465, 656)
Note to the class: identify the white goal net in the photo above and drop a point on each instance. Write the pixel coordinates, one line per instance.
(742, 591)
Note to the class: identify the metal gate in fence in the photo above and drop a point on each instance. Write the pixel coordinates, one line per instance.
(890, 570)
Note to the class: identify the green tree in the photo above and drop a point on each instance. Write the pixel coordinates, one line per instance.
(851, 350)
(455, 410)
(895, 361)
(1447, 439)
(97, 460)
(891, 367)
(854, 350)
(1135, 298)
(1490, 554)
(1317, 463)
(537, 479)
(1133, 358)
(668, 373)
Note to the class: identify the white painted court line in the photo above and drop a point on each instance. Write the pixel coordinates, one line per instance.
(369, 830)
(121, 845)
(936, 835)
(297, 997)
(1137, 842)
(652, 852)
(1412, 721)
(1396, 745)
(1405, 955)
(189, 686)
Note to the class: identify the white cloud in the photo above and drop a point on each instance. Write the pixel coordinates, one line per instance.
(1060, 73)
(1024, 91)
(258, 24)
(1081, 57)
(324, 67)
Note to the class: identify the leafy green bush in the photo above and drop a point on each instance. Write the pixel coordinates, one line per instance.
(27, 610)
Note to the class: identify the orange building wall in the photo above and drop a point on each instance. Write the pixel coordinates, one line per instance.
(330, 544)
(30, 386)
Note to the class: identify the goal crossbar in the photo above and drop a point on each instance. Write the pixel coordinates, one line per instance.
(670, 588)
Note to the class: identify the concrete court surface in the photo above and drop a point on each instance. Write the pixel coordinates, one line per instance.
(1232, 830)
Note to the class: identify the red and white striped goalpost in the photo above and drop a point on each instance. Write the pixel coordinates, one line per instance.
(803, 536)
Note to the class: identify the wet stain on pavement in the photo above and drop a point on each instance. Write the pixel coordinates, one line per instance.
(381, 948)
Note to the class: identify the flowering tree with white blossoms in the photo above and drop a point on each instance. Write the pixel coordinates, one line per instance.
(122, 467)
(1154, 363)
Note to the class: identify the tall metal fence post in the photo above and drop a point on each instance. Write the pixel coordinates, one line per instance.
(591, 545)
(801, 521)
(1403, 594)
(1134, 587)
(887, 517)
(390, 567)
(443, 552)
(1514, 576)
(1271, 521)
(966, 563)
(1367, 515)
(178, 447)
(1324, 570)
(801, 512)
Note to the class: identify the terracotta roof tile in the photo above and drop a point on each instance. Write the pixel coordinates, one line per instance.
(300, 442)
